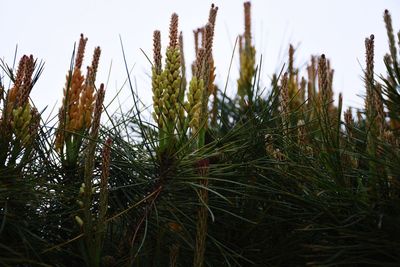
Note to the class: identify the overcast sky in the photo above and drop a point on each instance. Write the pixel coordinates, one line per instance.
(48, 29)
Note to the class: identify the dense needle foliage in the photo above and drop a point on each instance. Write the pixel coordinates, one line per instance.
(277, 176)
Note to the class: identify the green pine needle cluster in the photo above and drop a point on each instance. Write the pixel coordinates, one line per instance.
(276, 177)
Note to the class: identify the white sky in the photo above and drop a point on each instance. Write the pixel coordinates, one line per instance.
(48, 29)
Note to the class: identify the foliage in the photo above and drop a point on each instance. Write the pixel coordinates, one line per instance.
(278, 177)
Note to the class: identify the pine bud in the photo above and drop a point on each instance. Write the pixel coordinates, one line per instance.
(79, 220)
